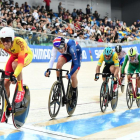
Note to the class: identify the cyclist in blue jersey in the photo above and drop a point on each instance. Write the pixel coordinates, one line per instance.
(70, 50)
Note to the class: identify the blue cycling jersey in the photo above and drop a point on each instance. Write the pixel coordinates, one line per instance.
(73, 52)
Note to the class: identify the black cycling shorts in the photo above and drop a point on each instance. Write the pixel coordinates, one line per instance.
(106, 68)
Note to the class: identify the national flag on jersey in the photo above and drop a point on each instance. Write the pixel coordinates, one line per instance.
(57, 41)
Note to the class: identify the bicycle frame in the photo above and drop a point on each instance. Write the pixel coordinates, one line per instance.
(107, 79)
(3, 88)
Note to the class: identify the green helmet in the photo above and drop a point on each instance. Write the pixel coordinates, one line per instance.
(132, 52)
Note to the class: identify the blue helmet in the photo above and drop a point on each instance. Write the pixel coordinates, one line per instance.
(59, 42)
(108, 51)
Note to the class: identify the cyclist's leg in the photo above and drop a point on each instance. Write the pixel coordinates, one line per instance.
(123, 79)
(131, 69)
(74, 78)
(138, 79)
(106, 69)
(61, 61)
(21, 92)
(8, 68)
(115, 87)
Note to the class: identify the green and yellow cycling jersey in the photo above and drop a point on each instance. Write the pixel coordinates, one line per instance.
(134, 65)
(113, 60)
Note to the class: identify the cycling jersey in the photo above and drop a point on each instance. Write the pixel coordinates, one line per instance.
(133, 64)
(73, 51)
(113, 60)
(122, 54)
(20, 51)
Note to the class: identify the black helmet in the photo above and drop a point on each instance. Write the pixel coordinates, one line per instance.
(118, 48)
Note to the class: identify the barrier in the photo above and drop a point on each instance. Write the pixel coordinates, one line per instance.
(43, 53)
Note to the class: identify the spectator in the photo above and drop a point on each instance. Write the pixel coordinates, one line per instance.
(96, 15)
(88, 9)
(47, 5)
(10, 22)
(76, 25)
(69, 29)
(74, 14)
(124, 39)
(60, 8)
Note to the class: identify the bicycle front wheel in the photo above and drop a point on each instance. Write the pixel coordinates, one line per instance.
(70, 110)
(104, 96)
(129, 95)
(2, 101)
(54, 99)
(114, 100)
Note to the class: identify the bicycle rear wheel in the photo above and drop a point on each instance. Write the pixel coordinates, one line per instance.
(129, 95)
(104, 96)
(55, 98)
(138, 100)
(21, 109)
(70, 110)
(114, 100)
(2, 101)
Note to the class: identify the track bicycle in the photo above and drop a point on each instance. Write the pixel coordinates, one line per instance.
(56, 99)
(131, 91)
(19, 110)
(105, 95)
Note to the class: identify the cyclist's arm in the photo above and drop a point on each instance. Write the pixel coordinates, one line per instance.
(73, 53)
(100, 61)
(53, 56)
(124, 64)
(116, 63)
(21, 57)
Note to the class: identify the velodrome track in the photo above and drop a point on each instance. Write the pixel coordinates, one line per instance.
(88, 122)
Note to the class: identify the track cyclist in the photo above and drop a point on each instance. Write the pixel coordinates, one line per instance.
(121, 55)
(20, 56)
(134, 65)
(70, 50)
(111, 65)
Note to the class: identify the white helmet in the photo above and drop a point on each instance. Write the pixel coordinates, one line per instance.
(7, 32)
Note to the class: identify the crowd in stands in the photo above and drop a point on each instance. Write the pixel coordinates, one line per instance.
(79, 25)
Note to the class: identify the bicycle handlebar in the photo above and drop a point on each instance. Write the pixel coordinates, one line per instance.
(105, 74)
(130, 74)
(12, 78)
(58, 70)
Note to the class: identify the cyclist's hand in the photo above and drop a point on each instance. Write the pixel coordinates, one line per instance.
(13, 79)
(47, 73)
(96, 77)
(68, 76)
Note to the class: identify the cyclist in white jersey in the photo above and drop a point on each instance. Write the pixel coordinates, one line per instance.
(121, 55)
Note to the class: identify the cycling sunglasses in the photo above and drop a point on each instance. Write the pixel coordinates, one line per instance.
(7, 39)
(133, 56)
(107, 55)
